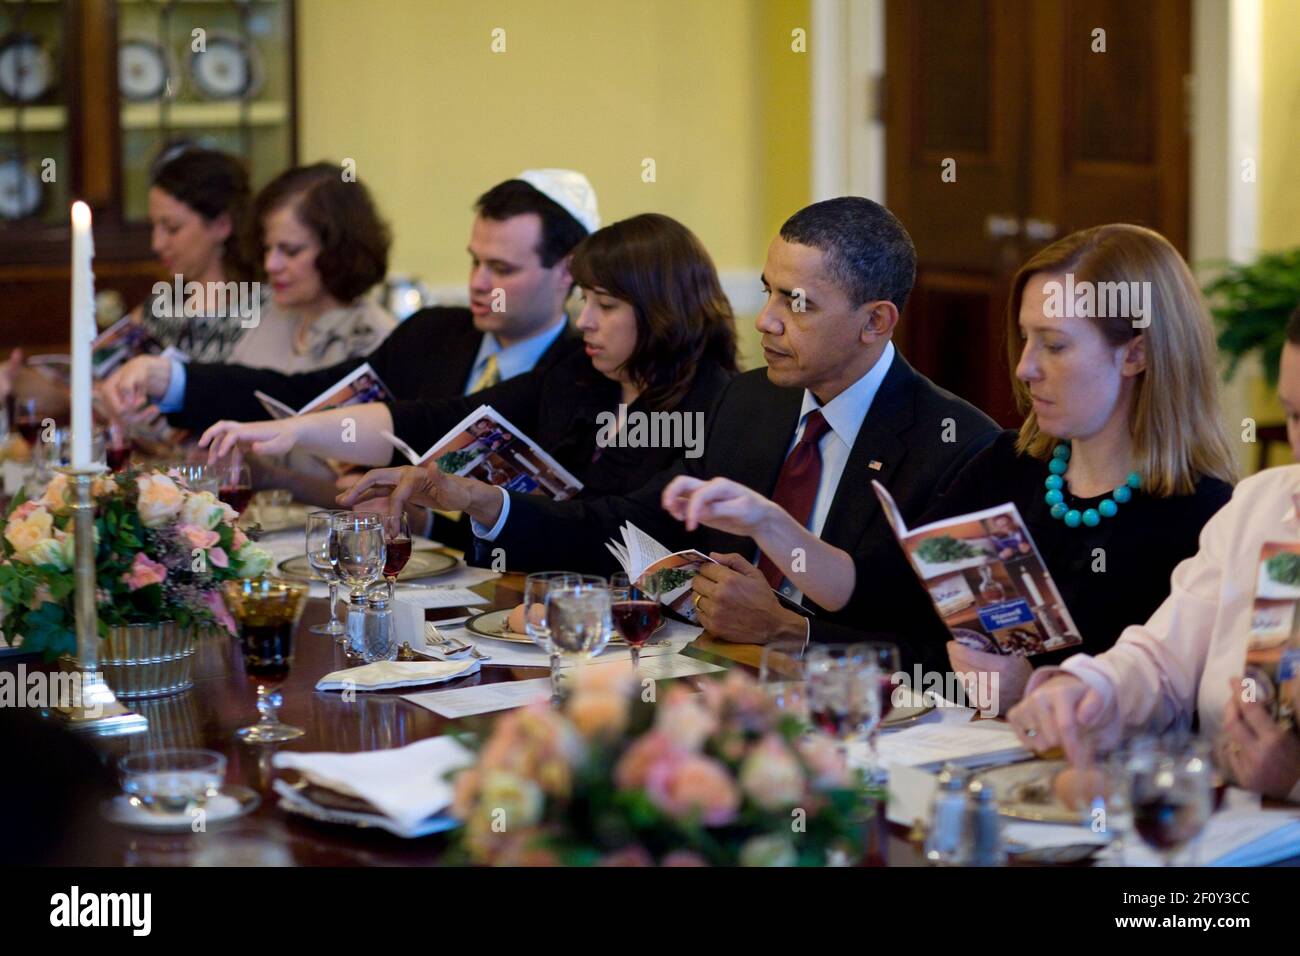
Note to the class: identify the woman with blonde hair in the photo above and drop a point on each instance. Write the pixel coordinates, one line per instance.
(1121, 459)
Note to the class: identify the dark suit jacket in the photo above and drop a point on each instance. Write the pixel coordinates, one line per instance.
(559, 407)
(428, 356)
(920, 435)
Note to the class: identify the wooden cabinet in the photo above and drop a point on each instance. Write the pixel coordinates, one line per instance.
(91, 92)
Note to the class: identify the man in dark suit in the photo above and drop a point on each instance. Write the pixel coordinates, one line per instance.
(523, 233)
(836, 407)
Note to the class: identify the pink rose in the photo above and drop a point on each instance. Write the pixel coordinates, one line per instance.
(772, 776)
(825, 762)
(633, 855)
(219, 558)
(634, 766)
(144, 572)
(22, 512)
(686, 785)
(684, 719)
(218, 608)
(240, 539)
(684, 858)
(197, 537)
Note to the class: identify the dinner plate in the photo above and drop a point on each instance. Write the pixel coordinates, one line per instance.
(227, 69)
(1025, 792)
(295, 517)
(26, 68)
(234, 801)
(423, 564)
(142, 70)
(493, 624)
(20, 190)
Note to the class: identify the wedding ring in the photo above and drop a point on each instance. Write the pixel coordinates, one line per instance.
(1031, 732)
(696, 600)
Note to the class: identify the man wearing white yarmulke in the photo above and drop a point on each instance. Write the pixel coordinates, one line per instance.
(523, 233)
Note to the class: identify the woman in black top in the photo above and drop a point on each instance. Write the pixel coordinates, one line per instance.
(1121, 459)
(659, 340)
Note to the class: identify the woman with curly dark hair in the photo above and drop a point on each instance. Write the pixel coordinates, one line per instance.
(322, 246)
(660, 347)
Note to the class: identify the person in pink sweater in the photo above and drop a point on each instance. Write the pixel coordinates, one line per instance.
(1188, 658)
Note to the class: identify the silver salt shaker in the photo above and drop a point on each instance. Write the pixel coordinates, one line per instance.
(946, 843)
(985, 827)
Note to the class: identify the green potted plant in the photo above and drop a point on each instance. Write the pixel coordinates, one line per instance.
(1251, 304)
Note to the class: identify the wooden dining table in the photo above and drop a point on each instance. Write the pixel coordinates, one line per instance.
(223, 700)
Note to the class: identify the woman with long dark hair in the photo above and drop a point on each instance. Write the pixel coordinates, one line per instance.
(659, 338)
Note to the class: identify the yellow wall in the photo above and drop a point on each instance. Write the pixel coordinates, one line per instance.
(709, 89)
(1279, 166)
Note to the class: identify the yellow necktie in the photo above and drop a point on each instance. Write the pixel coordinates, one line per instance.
(491, 375)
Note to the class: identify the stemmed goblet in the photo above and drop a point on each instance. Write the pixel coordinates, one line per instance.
(322, 555)
(635, 609)
(267, 612)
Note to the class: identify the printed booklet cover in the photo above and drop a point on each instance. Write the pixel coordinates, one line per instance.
(359, 387)
(987, 580)
(1273, 650)
(486, 446)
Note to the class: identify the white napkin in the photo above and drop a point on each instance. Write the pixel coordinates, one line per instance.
(407, 784)
(384, 675)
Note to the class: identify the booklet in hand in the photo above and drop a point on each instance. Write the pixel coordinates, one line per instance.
(1272, 674)
(361, 386)
(487, 447)
(122, 341)
(986, 579)
(642, 557)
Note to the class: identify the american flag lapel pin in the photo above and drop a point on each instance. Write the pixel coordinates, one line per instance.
(874, 465)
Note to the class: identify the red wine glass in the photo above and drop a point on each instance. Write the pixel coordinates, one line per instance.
(635, 611)
(397, 543)
(236, 488)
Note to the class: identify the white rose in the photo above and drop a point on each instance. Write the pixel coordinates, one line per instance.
(203, 510)
(160, 500)
(48, 551)
(253, 560)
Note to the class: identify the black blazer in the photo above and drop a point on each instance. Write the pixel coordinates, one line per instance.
(428, 356)
(919, 434)
(560, 407)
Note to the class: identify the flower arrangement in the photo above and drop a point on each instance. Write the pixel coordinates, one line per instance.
(716, 778)
(162, 551)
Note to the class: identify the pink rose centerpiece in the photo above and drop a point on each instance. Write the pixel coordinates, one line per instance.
(718, 777)
(161, 553)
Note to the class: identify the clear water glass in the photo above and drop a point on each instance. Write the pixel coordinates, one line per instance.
(361, 552)
(321, 554)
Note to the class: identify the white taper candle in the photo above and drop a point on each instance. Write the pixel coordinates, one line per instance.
(83, 332)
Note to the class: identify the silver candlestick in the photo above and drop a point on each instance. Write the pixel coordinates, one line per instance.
(94, 708)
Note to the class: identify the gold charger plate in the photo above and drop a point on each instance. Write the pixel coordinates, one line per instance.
(423, 564)
(493, 624)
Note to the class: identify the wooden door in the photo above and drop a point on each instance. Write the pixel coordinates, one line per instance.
(1010, 123)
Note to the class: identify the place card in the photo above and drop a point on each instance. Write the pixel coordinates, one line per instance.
(983, 743)
(488, 698)
(439, 597)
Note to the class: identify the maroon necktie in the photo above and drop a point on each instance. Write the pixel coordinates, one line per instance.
(796, 486)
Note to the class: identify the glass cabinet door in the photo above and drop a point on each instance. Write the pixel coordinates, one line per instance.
(34, 164)
(207, 72)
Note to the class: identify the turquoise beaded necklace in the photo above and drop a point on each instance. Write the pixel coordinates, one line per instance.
(1106, 508)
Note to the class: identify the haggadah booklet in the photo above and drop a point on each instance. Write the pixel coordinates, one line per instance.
(359, 387)
(642, 558)
(487, 447)
(1273, 648)
(986, 579)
